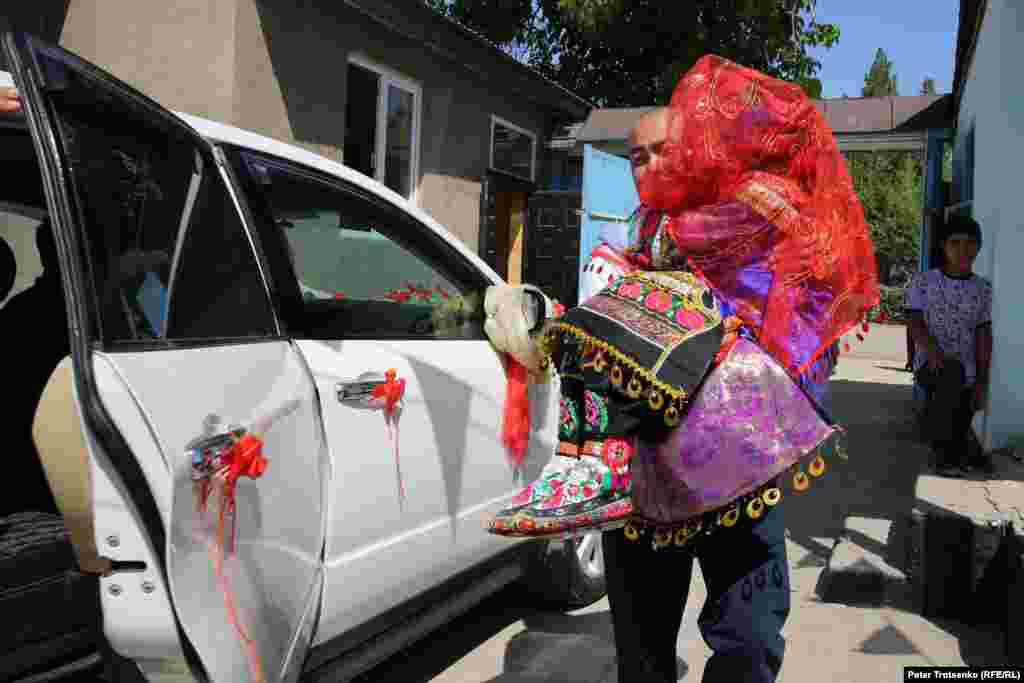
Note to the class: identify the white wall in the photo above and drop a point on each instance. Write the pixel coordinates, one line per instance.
(992, 102)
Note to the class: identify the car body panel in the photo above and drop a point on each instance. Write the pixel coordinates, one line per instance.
(244, 615)
(135, 621)
(275, 578)
(382, 551)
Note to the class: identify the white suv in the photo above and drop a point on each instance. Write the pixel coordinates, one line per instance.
(219, 283)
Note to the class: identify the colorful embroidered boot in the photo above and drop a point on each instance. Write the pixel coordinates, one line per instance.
(591, 491)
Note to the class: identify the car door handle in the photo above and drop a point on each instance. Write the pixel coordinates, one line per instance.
(359, 391)
(215, 442)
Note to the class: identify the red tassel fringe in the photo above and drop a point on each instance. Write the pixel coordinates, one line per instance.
(515, 431)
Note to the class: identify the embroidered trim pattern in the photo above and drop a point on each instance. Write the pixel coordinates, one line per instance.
(569, 421)
(595, 413)
(752, 505)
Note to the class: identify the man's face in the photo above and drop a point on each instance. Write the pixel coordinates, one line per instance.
(960, 251)
(646, 141)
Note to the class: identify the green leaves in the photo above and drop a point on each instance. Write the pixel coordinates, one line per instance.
(811, 86)
(500, 20)
(890, 186)
(880, 80)
(592, 16)
(632, 52)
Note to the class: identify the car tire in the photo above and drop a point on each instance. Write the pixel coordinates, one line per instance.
(568, 573)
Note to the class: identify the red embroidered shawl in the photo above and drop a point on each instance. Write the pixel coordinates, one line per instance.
(763, 208)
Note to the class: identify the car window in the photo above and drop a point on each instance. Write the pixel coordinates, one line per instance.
(18, 227)
(167, 250)
(217, 290)
(361, 268)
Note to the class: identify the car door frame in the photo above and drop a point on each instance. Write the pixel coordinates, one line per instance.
(114, 456)
(82, 312)
(280, 267)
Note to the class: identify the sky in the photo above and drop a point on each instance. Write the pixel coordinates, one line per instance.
(919, 36)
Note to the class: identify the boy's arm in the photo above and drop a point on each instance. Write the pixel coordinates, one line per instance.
(983, 351)
(919, 332)
(983, 359)
(916, 302)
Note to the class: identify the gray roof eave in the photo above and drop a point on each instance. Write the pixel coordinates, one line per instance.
(460, 44)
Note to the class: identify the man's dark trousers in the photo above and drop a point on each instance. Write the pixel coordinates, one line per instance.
(747, 578)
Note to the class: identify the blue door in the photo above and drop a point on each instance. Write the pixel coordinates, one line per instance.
(609, 199)
(933, 194)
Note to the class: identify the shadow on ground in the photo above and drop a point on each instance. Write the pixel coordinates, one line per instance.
(886, 455)
(877, 480)
(542, 646)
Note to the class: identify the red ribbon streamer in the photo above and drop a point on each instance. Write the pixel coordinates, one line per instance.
(515, 430)
(390, 392)
(244, 459)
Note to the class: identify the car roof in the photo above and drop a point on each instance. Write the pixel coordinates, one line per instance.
(226, 134)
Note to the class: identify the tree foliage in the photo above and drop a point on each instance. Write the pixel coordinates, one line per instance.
(503, 21)
(633, 52)
(890, 186)
(880, 80)
(928, 87)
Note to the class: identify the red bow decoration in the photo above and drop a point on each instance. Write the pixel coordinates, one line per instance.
(244, 459)
(390, 394)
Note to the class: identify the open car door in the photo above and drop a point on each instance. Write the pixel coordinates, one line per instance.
(206, 447)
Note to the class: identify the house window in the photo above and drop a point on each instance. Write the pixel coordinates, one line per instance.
(382, 125)
(513, 150)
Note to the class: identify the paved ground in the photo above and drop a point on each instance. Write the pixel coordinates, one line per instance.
(503, 641)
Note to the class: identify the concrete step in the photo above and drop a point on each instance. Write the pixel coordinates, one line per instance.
(960, 525)
(1015, 593)
(859, 570)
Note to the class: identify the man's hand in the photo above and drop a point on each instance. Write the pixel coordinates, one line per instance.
(9, 100)
(980, 396)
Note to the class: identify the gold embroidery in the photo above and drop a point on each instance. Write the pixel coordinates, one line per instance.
(771, 205)
(623, 359)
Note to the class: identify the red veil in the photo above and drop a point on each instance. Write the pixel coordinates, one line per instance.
(762, 205)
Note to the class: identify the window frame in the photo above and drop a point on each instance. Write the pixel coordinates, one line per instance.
(497, 120)
(206, 153)
(286, 295)
(388, 77)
